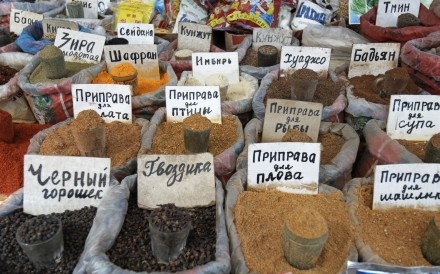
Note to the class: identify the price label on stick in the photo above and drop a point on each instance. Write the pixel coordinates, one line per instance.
(289, 167)
(316, 59)
(195, 37)
(19, 19)
(389, 11)
(407, 185)
(184, 180)
(54, 184)
(205, 64)
(276, 37)
(137, 33)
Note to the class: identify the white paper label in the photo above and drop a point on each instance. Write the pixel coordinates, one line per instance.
(373, 58)
(19, 19)
(183, 101)
(288, 167)
(407, 185)
(54, 184)
(51, 26)
(142, 57)
(136, 33)
(90, 8)
(282, 115)
(205, 64)
(276, 37)
(313, 58)
(79, 46)
(413, 117)
(389, 10)
(195, 37)
(185, 180)
(111, 102)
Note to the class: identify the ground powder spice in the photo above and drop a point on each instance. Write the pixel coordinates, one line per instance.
(294, 135)
(11, 165)
(39, 75)
(395, 234)
(122, 142)
(331, 145)
(197, 122)
(169, 137)
(260, 216)
(415, 147)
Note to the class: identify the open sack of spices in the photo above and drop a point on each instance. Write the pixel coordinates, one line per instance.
(369, 97)
(238, 97)
(384, 150)
(76, 225)
(225, 140)
(148, 94)
(393, 236)
(330, 92)
(118, 141)
(339, 146)
(259, 221)
(409, 29)
(11, 96)
(248, 58)
(119, 240)
(50, 97)
(421, 57)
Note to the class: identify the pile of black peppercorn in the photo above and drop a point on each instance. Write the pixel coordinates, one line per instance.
(38, 229)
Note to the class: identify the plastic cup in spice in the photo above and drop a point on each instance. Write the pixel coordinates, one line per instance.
(394, 81)
(52, 60)
(432, 149)
(431, 241)
(41, 239)
(219, 80)
(304, 83)
(196, 131)
(7, 127)
(305, 233)
(267, 56)
(169, 229)
(75, 9)
(183, 54)
(125, 73)
(88, 130)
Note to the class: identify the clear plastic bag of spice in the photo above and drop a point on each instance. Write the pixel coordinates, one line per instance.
(355, 267)
(108, 223)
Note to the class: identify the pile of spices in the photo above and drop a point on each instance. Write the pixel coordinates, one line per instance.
(6, 73)
(103, 77)
(39, 75)
(394, 234)
(294, 135)
(11, 168)
(169, 137)
(260, 216)
(251, 58)
(122, 142)
(76, 226)
(123, 69)
(415, 147)
(132, 249)
(331, 145)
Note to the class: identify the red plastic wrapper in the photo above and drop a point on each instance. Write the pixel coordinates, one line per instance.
(217, 18)
(429, 23)
(250, 14)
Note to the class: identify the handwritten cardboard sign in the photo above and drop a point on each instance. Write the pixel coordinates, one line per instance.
(271, 36)
(282, 115)
(407, 185)
(136, 33)
(373, 58)
(183, 101)
(288, 167)
(60, 183)
(316, 59)
(143, 57)
(51, 26)
(80, 47)
(19, 19)
(388, 11)
(413, 117)
(185, 180)
(205, 64)
(111, 102)
(90, 8)
(195, 37)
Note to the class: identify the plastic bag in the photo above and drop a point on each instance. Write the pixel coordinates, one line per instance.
(108, 223)
(11, 96)
(217, 18)
(119, 172)
(249, 14)
(429, 23)
(224, 163)
(355, 267)
(191, 11)
(12, 203)
(51, 102)
(235, 186)
(329, 113)
(231, 107)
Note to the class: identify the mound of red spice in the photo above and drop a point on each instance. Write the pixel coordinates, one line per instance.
(12, 156)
